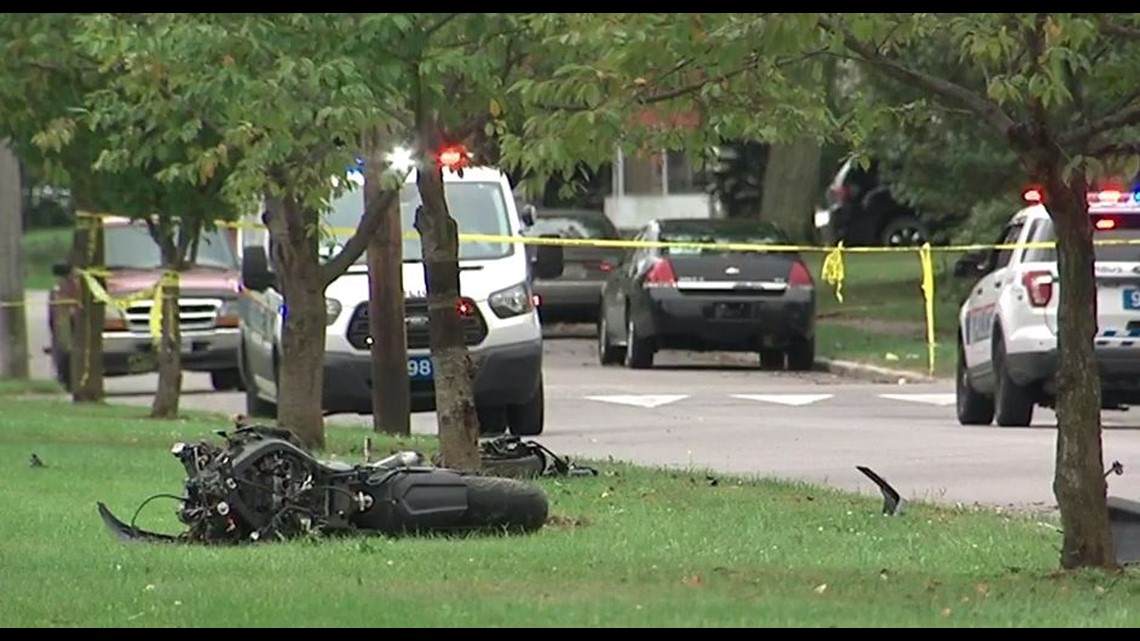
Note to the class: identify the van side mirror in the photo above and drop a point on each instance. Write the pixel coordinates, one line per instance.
(548, 260)
(61, 270)
(527, 215)
(255, 273)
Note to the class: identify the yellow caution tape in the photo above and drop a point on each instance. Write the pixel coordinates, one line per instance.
(925, 257)
(833, 271)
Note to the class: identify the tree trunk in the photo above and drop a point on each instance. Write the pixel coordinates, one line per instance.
(13, 316)
(1079, 482)
(86, 356)
(168, 351)
(391, 396)
(791, 180)
(455, 403)
(300, 367)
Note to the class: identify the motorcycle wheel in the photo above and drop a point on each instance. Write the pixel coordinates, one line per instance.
(504, 504)
(524, 467)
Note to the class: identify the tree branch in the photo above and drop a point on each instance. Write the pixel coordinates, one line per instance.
(440, 23)
(356, 246)
(1115, 149)
(986, 109)
(1081, 135)
(1107, 27)
(641, 99)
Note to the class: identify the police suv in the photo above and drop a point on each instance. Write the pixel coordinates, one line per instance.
(1007, 328)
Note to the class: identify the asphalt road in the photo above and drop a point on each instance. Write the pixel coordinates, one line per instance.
(712, 412)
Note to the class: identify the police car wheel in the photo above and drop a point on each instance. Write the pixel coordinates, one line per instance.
(1013, 406)
(973, 408)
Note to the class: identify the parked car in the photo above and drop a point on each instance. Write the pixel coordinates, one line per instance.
(709, 299)
(208, 306)
(574, 296)
(862, 212)
(1007, 329)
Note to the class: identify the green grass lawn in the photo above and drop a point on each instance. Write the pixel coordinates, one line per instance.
(882, 318)
(632, 547)
(43, 248)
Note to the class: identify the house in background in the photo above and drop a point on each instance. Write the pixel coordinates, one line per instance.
(634, 189)
(665, 184)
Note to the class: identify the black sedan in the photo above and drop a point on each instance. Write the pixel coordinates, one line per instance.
(709, 298)
(574, 296)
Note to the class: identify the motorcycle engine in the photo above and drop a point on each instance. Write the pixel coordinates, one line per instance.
(256, 487)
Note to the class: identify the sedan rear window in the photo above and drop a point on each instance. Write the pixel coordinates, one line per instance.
(726, 236)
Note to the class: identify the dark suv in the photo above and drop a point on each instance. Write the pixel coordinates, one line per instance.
(861, 212)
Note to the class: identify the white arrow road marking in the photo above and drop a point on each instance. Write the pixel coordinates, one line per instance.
(941, 400)
(796, 400)
(648, 402)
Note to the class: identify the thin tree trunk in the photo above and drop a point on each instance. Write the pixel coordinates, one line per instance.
(86, 360)
(1079, 482)
(13, 315)
(300, 366)
(168, 352)
(391, 396)
(791, 180)
(455, 404)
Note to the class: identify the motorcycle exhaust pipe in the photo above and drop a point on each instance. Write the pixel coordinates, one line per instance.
(401, 459)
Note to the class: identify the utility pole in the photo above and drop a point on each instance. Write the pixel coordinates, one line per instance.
(13, 312)
(391, 395)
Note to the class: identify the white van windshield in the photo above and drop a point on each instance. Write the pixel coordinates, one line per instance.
(477, 207)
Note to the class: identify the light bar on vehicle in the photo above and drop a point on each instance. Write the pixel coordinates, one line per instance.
(1114, 197)
(1036, 196)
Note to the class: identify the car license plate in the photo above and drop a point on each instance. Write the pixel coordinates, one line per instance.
(1132, 299)
(420, 368)
(733, 311)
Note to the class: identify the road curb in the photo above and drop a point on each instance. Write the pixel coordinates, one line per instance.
(872, 373)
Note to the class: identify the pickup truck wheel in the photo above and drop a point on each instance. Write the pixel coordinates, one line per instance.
(529, 418)
(973, 408)
(1012, 403)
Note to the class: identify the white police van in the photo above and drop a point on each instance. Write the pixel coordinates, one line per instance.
(1007, 338)
(503, 333)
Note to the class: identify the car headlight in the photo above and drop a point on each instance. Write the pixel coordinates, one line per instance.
(230, 309)
(332, 310)
(513, 301)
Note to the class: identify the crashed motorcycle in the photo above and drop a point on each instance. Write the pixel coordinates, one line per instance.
(264, 485)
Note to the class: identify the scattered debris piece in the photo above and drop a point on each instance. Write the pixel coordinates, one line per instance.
(893, 502)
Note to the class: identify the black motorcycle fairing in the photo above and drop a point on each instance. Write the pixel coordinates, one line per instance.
(127, 533)
(413, 499)
(263, 485)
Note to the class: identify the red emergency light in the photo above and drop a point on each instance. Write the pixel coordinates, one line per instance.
(453, 157)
